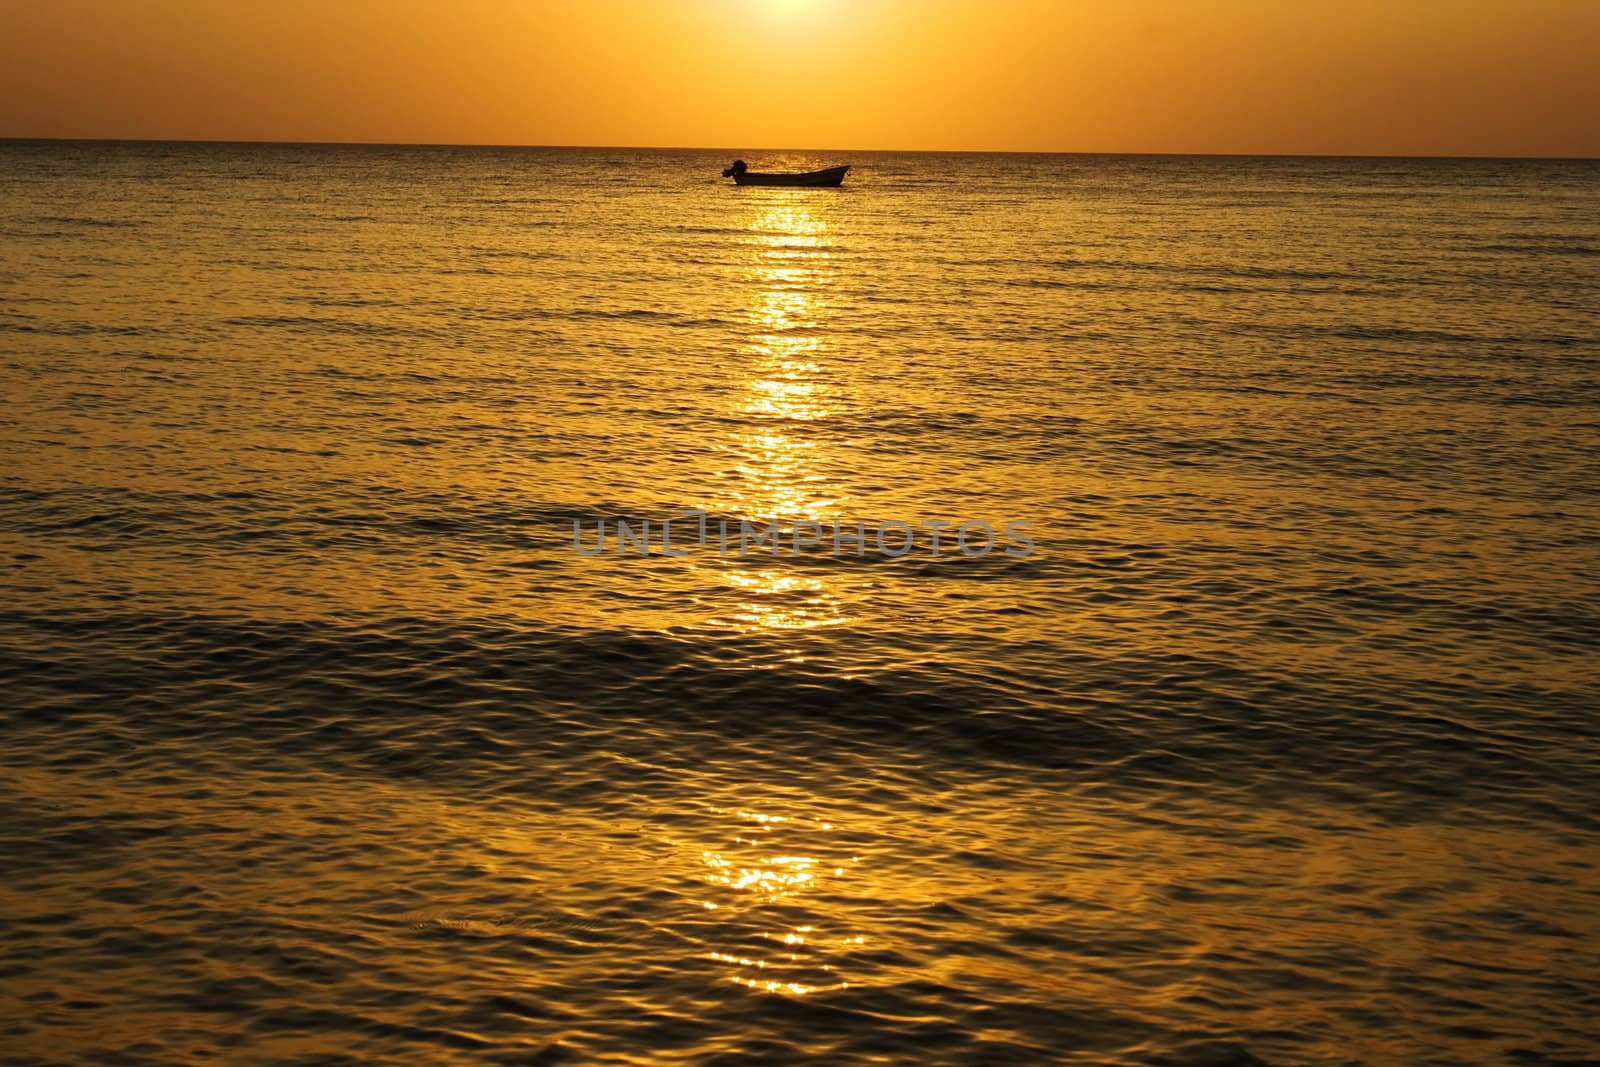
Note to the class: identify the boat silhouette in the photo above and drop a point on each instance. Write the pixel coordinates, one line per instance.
(742, 175)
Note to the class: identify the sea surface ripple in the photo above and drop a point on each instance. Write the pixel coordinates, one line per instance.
(324, 741)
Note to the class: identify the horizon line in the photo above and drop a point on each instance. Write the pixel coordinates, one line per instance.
(725, 148)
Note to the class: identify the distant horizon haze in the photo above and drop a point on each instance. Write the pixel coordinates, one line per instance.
(1465, 78)
(774, 149)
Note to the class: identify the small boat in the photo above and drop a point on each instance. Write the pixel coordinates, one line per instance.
(743, 176)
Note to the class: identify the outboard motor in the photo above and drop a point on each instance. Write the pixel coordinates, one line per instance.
(737, 168)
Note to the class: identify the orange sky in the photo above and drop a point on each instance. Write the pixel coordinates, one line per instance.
(1429, 77)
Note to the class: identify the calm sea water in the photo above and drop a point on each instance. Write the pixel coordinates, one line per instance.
(322, 741)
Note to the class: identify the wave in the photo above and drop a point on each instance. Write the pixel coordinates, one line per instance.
(485, 704)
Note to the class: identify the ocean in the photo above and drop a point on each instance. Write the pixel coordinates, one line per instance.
(1052, 609)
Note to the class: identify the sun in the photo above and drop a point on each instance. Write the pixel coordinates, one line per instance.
(783, 30)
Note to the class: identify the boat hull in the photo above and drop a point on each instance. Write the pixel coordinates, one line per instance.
(831, 176)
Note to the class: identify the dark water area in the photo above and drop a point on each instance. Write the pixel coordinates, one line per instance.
(1263, 732)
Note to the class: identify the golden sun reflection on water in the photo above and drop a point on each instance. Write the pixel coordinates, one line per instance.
(797, 960)
(784, 601)
(789, 302)
(779, 458)
(788, 395)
